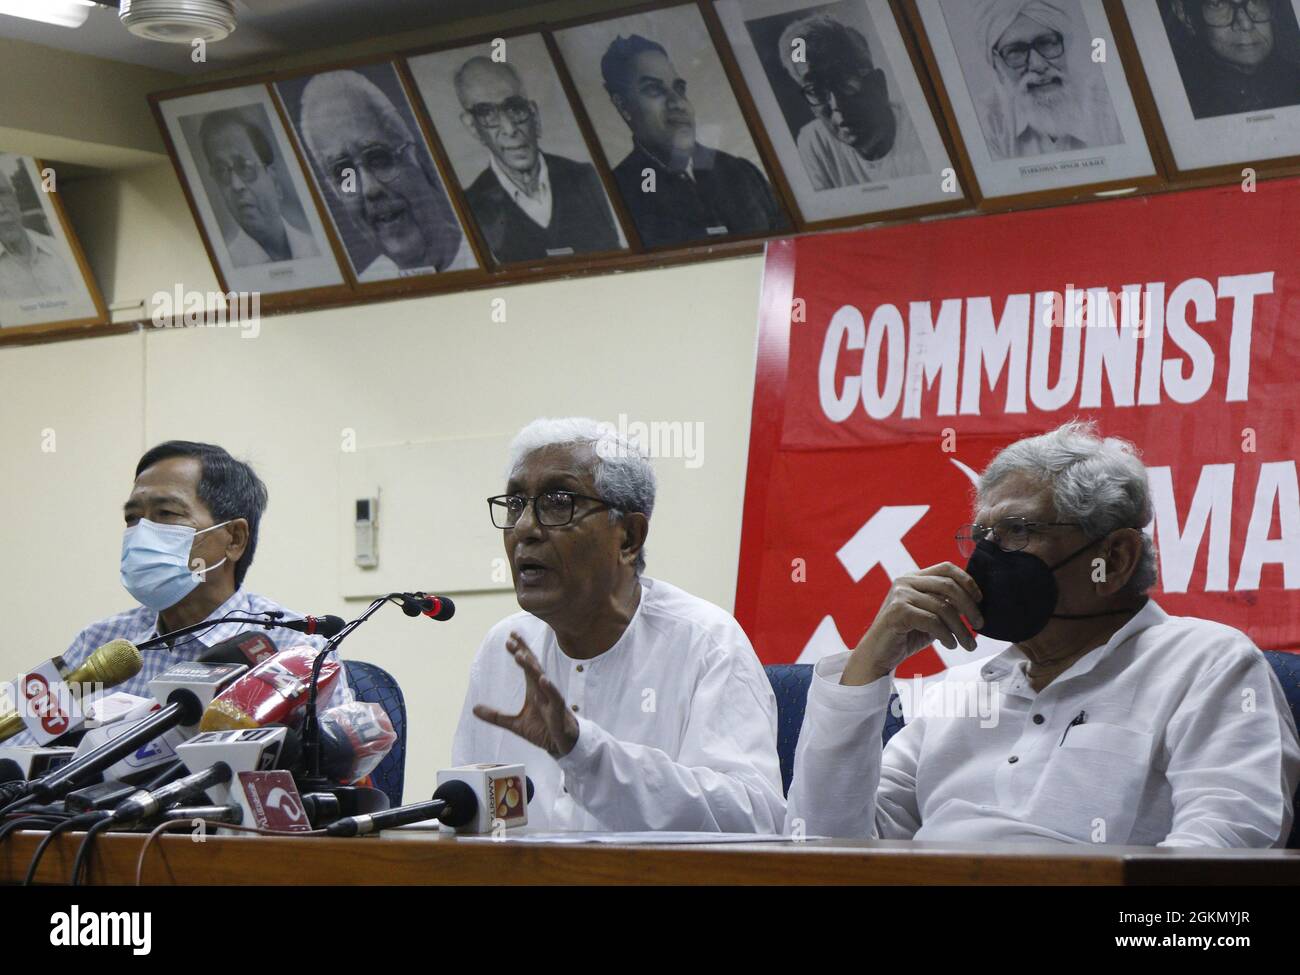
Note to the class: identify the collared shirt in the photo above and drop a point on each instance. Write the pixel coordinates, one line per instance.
(831, 164)
(677, 723)
(43, 272)
(1176, 732)
(245, 251)
(538, 207)
(141, 623)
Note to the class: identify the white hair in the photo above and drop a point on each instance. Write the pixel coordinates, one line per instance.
(621, 471)
(1100, 483)
(327, 94)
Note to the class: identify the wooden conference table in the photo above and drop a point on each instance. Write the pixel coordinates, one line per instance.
(425, 857)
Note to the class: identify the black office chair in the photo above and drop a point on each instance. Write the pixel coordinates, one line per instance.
(375, 685)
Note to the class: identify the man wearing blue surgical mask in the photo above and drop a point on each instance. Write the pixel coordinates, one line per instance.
(191, 530)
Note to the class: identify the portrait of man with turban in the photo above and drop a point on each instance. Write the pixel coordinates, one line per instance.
(1034, 84)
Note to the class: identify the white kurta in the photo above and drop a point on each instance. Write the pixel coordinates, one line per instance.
(677, 723)
(1186, 739)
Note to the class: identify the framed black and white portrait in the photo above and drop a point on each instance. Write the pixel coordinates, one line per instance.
(1225, 78)
(375, 173)
(518, 153)
(1039, 95)
(44, 279)
(842, 102)
(248, 192)
(662, 106)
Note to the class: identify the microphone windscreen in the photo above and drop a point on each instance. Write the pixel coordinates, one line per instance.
(10, 771)
(462, 803)
(443, 608)
(112, 664)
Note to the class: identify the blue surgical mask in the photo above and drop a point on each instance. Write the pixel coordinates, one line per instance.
(156, 563)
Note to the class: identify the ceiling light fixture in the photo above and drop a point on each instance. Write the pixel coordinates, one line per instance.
(178, 21)
(60, 13)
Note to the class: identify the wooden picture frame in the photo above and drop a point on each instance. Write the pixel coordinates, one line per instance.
(50, 292)
(1008, 165)
(312, 272)
(1203, 144)
(666, 226)
(828, 185)
(553, 134)
(382, 224)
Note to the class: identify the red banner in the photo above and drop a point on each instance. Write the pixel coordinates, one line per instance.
(894, 363)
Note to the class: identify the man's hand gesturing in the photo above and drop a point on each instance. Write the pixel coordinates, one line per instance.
(544, 721)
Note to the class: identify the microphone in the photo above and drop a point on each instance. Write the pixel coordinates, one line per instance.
(454, 803)
(35, 761)
(354, 739)
(273, 692)
(502, 792)
(324, 626)
(220, 814)
(183, 708)
(435, 607)
(249, 649)
(203, 680)
(143, 804)
(47, 713)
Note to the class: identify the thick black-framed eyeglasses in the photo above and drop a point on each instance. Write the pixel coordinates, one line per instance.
(553, 509)
(516, 108)
(1049, 46)
(1009, 534)
(1221, 13)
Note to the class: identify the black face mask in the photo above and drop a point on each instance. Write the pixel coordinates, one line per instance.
(1019, 590)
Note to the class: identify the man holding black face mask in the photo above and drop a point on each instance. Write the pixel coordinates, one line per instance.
(1116, 723)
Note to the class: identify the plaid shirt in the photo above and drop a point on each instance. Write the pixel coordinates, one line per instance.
(141, 623)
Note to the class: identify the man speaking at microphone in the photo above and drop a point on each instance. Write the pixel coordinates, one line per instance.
(192, 522)
(632, 704)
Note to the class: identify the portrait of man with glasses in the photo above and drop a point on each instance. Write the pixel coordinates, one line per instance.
(1235, 56)
(1029, 67)
(379, 178)
(493, 107)
(241, 161)
(859, 133)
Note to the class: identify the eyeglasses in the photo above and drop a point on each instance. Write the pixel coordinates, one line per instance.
(818, 93)
(379, 161)
(245, 170)
(1049, 46)
(1010, 534)
(553, 509)
(1221, 13)
(516, 108)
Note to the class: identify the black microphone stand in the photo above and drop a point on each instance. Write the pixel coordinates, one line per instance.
(265, 620)
(313, 780)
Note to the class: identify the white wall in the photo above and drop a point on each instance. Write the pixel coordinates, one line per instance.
(673, 344)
